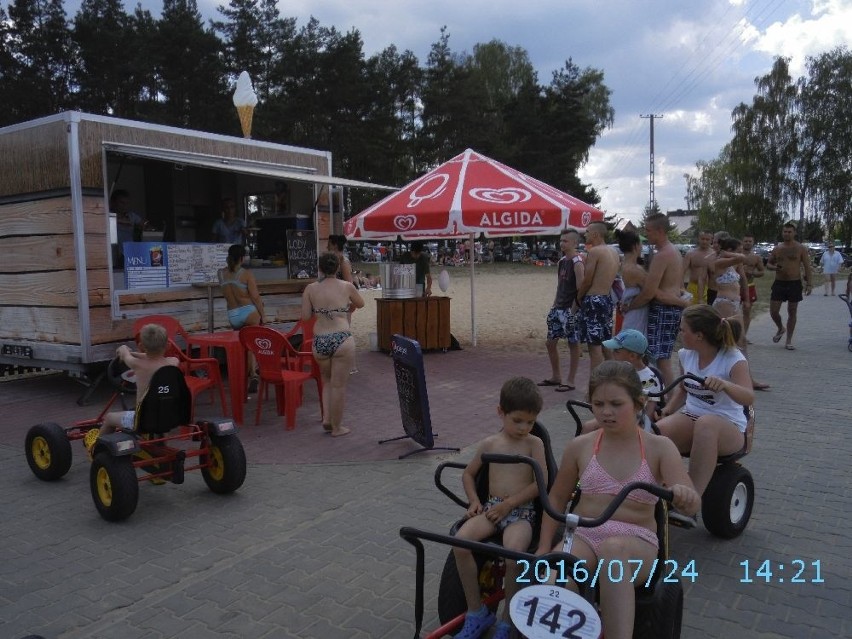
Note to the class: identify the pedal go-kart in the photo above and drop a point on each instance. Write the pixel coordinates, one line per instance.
(659, 603)
(729, 497)
(163, 446)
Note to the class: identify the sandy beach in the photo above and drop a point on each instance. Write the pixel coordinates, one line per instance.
(512, 301)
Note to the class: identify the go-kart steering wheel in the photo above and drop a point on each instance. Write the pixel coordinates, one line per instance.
(121, 376)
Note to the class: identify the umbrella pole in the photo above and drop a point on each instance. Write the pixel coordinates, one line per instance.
(472, 292)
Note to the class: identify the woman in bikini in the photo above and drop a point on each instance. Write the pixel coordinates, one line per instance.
(600, 461)
(245, 306)
(728, 275)
(331, 300)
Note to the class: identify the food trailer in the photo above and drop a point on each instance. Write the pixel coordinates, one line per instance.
(71, 290)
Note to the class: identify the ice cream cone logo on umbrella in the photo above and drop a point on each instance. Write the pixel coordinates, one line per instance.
(245, 99)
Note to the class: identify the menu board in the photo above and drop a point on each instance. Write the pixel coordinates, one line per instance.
(302, 254)
(163, 265)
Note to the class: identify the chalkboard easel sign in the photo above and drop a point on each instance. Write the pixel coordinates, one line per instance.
(302, 254)
(413, 399)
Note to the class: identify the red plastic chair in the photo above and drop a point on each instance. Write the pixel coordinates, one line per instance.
(211, 378)
(273, 361)
(302, 359)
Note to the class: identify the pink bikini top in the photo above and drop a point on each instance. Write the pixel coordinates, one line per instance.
(596, 481)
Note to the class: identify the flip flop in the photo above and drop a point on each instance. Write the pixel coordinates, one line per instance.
(341, 432)
(327, 428)
(548, 382)
(760, 386)
(777, 337)
(790, 347)
(564, 388)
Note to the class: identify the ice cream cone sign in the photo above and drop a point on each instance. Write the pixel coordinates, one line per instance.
(245, 99)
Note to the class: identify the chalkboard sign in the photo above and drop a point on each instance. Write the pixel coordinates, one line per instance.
(411, 389)
(302, 254)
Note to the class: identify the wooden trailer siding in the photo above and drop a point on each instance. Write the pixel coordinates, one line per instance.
(47, 252)
(34, 159)
(51, 216)
(94, 133)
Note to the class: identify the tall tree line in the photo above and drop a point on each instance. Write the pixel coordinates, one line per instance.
(386, 118)
(790, 156)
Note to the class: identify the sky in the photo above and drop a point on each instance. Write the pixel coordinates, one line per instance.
(689, 61)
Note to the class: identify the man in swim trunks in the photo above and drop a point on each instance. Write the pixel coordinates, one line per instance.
(788, 259)
(662, 292)
(593, 295)
(695, 268)
(562, 318)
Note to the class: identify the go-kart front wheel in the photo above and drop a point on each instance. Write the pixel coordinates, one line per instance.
(227, 465)
(728, 501)
(661, 615)
(48, 451)
(115, 489)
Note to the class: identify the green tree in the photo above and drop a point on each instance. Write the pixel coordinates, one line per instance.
(101, 37)
(255, 37)
(764, 147)
(825, 166)
(191, 71)
(35, 59)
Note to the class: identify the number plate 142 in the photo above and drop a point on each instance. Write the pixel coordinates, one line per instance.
(544, 612)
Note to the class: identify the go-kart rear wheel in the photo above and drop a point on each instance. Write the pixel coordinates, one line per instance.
(115, 489)
(227, 464)
(728, 501)
(48, 451)
(661, 615)
(451, 601)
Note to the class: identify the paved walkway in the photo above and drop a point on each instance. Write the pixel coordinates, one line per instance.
(309, 547)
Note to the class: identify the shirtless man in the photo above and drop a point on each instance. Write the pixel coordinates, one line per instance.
(662, 289)
(695, 268)
(562, 318)
(787, 260)
(593, 295)
(753, 267)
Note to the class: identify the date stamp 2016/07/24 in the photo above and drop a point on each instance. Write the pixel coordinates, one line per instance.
(612, 570)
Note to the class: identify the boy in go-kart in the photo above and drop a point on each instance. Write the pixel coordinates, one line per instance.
(509, 509)
(153, 341)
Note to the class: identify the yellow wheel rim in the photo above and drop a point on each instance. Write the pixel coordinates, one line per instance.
(217, 464)
(104, 487)
(41, 452)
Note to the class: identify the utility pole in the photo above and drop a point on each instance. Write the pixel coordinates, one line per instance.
(651, 199)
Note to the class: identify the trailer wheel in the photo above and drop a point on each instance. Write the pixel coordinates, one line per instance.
(728, 501)
(660, 617)
(226, 469)
(115, 489)
(451, 601)
(48, 451)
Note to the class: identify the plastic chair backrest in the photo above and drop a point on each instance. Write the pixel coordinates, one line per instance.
(268, 346)
(173, 327)
(167, 403)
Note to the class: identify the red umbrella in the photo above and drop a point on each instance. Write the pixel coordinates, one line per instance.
(469, 195)
(472, 194)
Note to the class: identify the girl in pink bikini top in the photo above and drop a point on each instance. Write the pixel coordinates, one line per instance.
(595, 480)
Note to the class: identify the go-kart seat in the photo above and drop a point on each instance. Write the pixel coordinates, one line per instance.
(167, 403)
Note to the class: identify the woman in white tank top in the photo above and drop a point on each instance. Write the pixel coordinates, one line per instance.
(707, 420)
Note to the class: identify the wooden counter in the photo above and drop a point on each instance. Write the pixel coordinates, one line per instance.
(425, 319)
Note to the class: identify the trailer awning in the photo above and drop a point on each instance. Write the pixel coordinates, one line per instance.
(239, 165)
